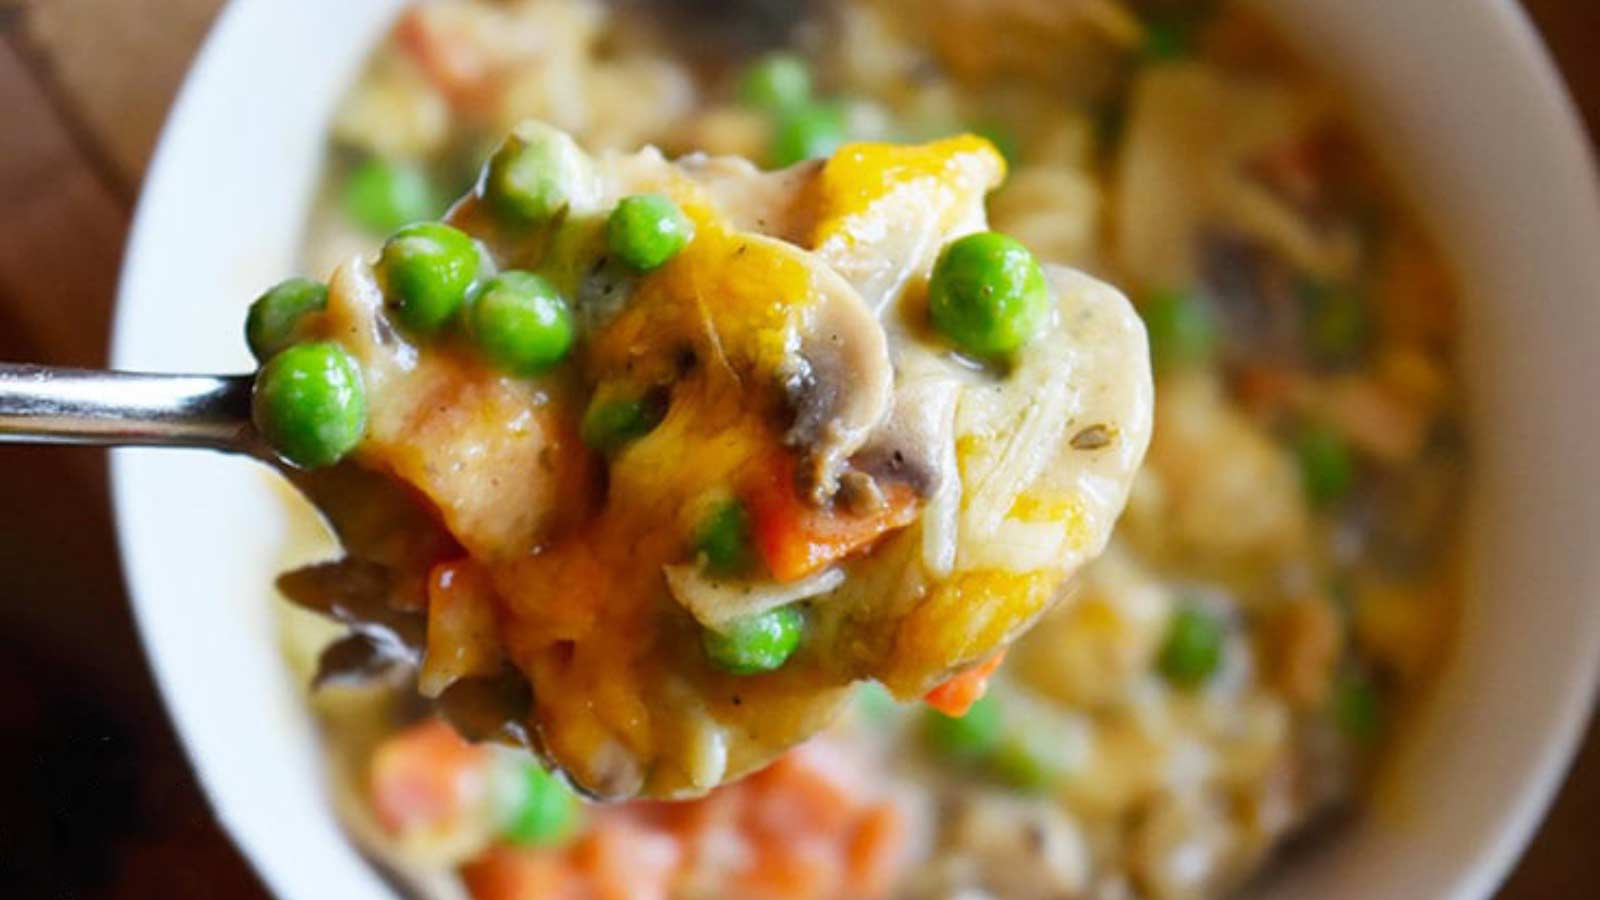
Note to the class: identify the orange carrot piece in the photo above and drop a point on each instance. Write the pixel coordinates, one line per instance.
(1268, 390)
(807, 791)
(875, 850)
(797, 539)
(626, 860)
(439, 41)
(955, 696)
(425, 777)
(783, 872)
(506, 873)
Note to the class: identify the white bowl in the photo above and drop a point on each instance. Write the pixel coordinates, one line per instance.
(1456, 94)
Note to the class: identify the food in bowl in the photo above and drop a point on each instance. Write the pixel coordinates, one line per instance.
(1279, 588)
(690, 448)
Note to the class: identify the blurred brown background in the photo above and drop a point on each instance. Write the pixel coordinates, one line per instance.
(96, 799)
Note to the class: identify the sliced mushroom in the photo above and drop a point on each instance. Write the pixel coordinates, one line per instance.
(357, 659)
(359, 595)
(717, 603)
(382, 522)
(913, 445)
(493, 708)
(838, 383)
(916, 446)
(839, 377)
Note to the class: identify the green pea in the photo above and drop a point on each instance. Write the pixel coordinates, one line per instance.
(611, 423)
(535, 808)
(310, 405)
(426, 270)
(646, 230)
(381, 196)
(966, 738)
(777, 81)
(760, 643)
(270, 325)
(1168, 41)
(1181, 329)
(1032, 758)
(987, 294)
(1192, 651)
(521, 323)
(723, 538)
(1336, 322)
(534, 175)
(1327, 470)
(810, 131)
(1357, 707)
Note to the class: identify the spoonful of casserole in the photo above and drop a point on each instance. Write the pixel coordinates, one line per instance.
(642, 463)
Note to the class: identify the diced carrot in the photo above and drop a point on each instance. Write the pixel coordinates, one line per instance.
(797, 539)
(1267, 390)
(955, 696)
(707, 821)
(506, 873)
(809, 827)
(627, 860)
(1376, 418)
(783, 871)
(875, 850)
(808, 790)
(440, 39)
(425, 777)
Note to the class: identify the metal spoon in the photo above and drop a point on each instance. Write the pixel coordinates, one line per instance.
(49, 405)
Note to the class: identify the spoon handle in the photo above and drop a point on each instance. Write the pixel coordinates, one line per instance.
(47, 405)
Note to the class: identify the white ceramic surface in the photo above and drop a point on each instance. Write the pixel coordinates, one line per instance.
(1456, 94)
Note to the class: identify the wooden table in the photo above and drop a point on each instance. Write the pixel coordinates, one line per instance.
(96, 799)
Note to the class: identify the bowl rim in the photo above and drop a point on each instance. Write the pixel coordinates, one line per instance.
(1563, 133)
(1570, 137)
